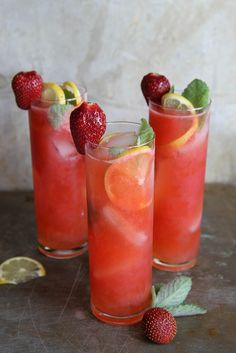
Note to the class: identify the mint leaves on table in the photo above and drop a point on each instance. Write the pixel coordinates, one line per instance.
(145, 133)
(186, 310)
(198, 93)
(56, 114)
(172, 295)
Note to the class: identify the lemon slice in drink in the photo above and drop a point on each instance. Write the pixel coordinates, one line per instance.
(128, 181)
(71, 86)
(20, 269)
(53, 92)
(178, 102)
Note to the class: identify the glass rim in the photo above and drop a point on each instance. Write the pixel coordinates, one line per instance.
(199, 110)
(117, 122)
(82, 90)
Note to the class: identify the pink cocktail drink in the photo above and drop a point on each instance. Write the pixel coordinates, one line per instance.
(59, 180)
(181, 149)
(120, 208)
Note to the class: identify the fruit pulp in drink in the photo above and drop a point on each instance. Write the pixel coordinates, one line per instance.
(181, 148)
(59, 185)
(120, 207)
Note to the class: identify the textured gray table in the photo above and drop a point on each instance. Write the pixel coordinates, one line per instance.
(51, 314)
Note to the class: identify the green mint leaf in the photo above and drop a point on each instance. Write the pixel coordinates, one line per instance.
(69, 95)
(56, 114)
(115, 151)
(154, 296)
(198, 93)
(145, 133)
(186, 310)
(158, 286)
(174, 292)
(155, 290)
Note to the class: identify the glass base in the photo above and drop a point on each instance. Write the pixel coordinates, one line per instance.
(117, 320)
(173, 267)
(62, 254)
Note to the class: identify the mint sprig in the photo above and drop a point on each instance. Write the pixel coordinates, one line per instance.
(174, 292)
(115, 151)
(198, 93)
(69, 96)
(56, 114)
(145, 133)
(186, 310)
(172, 295)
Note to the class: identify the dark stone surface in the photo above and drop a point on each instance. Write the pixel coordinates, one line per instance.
(52, 314)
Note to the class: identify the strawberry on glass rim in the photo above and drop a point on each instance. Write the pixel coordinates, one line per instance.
(87, 124)
(154, 86)
(27, 87)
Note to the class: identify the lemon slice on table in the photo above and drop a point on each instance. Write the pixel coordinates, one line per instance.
(53, 92)
(128, 180)
(71, 87)
(20, 269)
(178, 102)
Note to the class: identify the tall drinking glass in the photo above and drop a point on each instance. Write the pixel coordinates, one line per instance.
(120, 208)
(59, 180)
(181, 148)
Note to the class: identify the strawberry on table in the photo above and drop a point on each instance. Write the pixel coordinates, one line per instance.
(87, 124)
(159, 325)
(27, 87)
(154, 86)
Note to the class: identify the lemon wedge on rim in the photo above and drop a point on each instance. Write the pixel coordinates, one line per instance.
(20, 269)
(53, 92)
(71, 86)
(178, 102)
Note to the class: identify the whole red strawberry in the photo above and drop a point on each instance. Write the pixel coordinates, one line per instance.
(87, 124)
(154, 86)
(159, 325)
(27, 87)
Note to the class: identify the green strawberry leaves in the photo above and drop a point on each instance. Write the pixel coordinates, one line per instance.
(172, 295)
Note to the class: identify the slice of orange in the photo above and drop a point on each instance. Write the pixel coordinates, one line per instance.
(128, 181)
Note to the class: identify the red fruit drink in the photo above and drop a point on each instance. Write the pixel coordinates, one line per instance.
(59, 182)
(181, 148)
(120, 208)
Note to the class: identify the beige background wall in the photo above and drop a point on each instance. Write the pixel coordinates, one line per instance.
(110, 45)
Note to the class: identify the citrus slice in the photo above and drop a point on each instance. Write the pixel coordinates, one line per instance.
(176, 101)
(128, 181)
(20, 269)
(119, 139)
(185, 137)
(71, 86)
(177, 129)
(53, 92)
